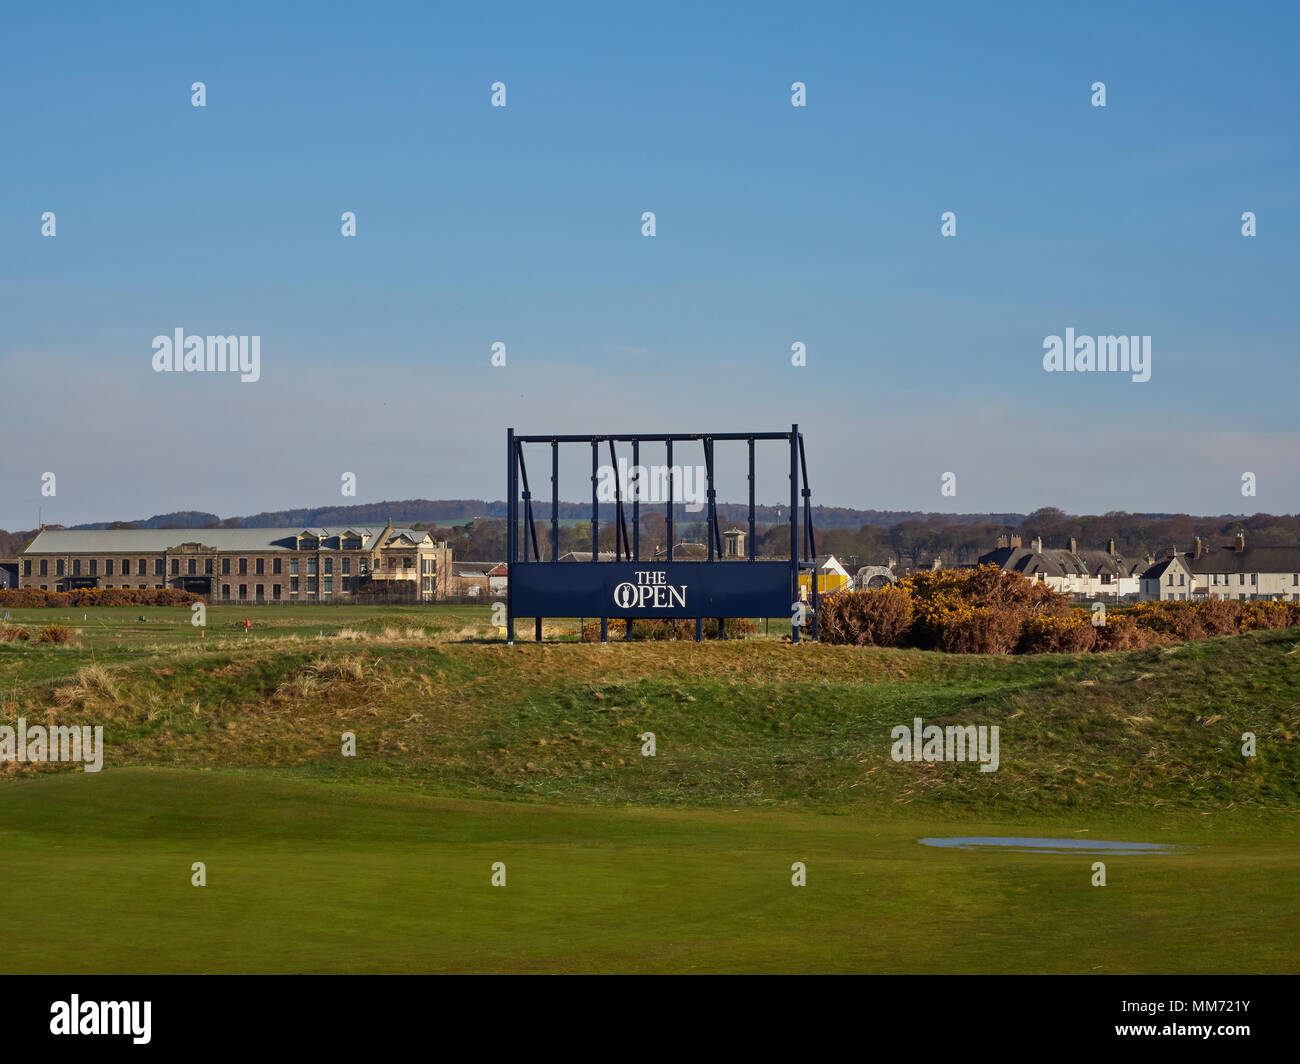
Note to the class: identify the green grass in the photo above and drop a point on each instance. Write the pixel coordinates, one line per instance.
(227, 750)
(304, 877)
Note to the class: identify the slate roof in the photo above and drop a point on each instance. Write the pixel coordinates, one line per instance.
(157, 540)
(1156, 571)
(1250, 560)
(1061, 562)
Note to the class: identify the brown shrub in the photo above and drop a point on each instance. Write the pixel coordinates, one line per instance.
(878, 618)
(54, 633)
(978, 630)
(663, 628)
(28, 597)
(13, 633)
(1071, 633)
(1121, 632)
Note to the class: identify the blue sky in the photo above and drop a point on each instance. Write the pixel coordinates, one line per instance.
(775, 224)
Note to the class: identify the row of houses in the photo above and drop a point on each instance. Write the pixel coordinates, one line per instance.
(1235, 572)
(270, 565)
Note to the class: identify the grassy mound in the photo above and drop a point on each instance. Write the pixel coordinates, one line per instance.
(741, 723)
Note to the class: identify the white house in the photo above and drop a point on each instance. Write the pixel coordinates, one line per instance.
(1088, 573)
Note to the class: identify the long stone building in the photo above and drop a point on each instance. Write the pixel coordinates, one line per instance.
(246, 565)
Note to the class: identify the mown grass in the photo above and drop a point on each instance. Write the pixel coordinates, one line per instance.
(307, 877)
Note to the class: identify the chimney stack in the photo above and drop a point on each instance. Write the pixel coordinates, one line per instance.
(1004, 541)
(1110, 547)
(1015, 540)
(1241, 541)
(1200, 548)
(1038, 544)
(1074, 546)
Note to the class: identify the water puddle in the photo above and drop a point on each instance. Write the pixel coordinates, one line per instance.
(1015, 844)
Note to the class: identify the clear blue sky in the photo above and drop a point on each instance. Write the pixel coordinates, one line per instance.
(775, 224)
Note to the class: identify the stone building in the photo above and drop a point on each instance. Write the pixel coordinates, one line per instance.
(246, 565)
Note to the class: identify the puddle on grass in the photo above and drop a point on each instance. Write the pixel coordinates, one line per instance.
(1016, 844)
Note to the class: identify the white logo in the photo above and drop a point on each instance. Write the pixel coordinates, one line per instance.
(190, 354)
(655, 483)
(102, 1017)
(650, 589)
(1086, 354)
(56, 743)
(953, 743)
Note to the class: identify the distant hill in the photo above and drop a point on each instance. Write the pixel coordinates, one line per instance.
(460, 511)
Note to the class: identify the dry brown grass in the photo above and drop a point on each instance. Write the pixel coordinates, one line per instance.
(91, 683)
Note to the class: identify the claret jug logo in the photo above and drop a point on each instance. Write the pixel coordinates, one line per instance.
(651, 589)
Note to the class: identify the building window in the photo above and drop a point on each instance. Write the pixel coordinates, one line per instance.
(94, 566)
(141, 566)
(311, 566)
(27, 567)
(157, 567)
(76, 567)
(347, 566)
(108, 567)
(243, 568)
(45, 567)
(293, 584)
(208, 567)
(261, 566)
(347, 583)
(329, 584)
(176, 567)
(275, 565)
(243, 592)
(1182, 580)
(1241, 579)
(275, 592)
(1254, 579)
(192, 567)
(225, 591)
(311, 583)
(1171, 579)
(261, 593)
(329, 565)
(293, 566)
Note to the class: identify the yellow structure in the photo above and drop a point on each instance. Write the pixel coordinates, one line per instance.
(831, 576)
